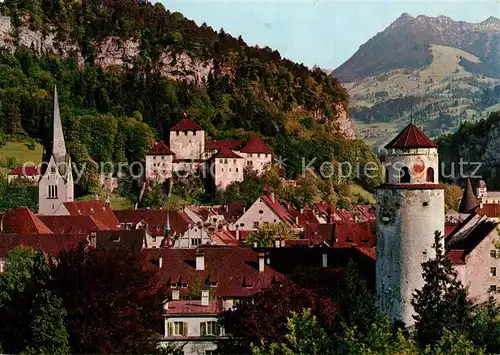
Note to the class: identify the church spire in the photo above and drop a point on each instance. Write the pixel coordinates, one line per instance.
(58, 144)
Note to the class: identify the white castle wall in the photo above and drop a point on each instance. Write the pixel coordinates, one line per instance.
(257, 161)
(406, 222)
(227, 170)
(187, 144)
(158, 167)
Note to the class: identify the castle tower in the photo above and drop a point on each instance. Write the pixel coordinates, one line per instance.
(410, 208)
(469, 203)
(56, 181)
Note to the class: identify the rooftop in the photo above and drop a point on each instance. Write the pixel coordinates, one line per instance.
(411, 137)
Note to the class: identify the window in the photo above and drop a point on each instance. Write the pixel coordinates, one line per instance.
(261, 212)
(404, 175)
(493, 288)
(225, 161)
(229, 169)
(163, 158)
(493, 253)
(236, 169)
(493, 271)
(430, 175)
(154, 157)
(249, 162)
(256, 224)
(196, 241)
(221, 161)
(222, 169)
(177, 329)
(210, 328)
(185, 133)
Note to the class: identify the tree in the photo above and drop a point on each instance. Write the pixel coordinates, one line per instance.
(114, 304)
(32, 317)
(452, 196)
(485, 330)
(442, 303)
(262, 318)
(304, 336)
(268, 233)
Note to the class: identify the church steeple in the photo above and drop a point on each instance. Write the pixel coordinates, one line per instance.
(58, 144)
(469, 201)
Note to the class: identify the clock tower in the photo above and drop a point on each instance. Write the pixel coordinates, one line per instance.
(56, 182)
(410, 209)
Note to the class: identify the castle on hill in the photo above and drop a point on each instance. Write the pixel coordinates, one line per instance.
(223, 161)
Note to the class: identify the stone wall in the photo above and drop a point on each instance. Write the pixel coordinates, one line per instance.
(406, 222)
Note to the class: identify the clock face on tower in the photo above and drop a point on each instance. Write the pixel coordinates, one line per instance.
(418, 168)
(53, 169)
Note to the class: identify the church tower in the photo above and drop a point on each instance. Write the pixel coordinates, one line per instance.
(410, 209)
(56, 182)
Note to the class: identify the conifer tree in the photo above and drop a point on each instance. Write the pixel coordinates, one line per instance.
(442, 304)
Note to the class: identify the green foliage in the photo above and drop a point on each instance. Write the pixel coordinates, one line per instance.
(32, 317)
(304, 336)
(155, 198)
(485, 329)
(18, 194)
(266, 234)
(452, 196)
(442, 304)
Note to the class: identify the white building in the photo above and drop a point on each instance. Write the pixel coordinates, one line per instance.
(159, 162)
(191, 326)
(410, 209)
(56, 182)
(223, 160)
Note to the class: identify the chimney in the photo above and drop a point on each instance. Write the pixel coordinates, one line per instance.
(237, 234)
(204, 297)
(277, 243)
(268, 259)
(227, 208)
(324, 259)
(297, 220)
(160, 261)
(244, 209)
(261, 262)
(175, 295)
(282, 242)
(166, 306)
(272, 197)
(200, 261)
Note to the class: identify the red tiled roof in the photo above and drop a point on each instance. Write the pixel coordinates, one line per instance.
(489, 210)
(24, 222)
(457, 256)
(73, 224)
(50, 244)
(370, 252)
(25, 171)
(192, 307)
(349, 233)
(227, 153)
(411, 137)
(225, 237)
(449, 228)
(344, 215)
(231, 267)
(232, 144)
(94, 208)
(256, 145)
(160, 148)
(279, 210)
(319, 232)
(156, 220)
(232, 211)
(186, 124)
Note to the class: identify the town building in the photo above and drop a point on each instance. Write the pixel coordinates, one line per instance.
(23, 173)
(410, 210)
(56, 183)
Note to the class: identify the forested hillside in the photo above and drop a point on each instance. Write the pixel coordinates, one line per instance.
(477, 144)
(127, 70)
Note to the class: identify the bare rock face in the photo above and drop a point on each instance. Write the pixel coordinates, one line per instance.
(180, 66)
(342, 123)
(6, 34)
(114, 52)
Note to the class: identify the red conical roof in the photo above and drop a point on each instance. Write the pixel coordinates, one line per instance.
(469, 201)
(256, 145)
(411, 137)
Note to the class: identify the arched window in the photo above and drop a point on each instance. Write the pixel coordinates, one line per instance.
(404, 175)
(430, 175)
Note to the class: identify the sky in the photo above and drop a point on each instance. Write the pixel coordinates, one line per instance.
(316, 32)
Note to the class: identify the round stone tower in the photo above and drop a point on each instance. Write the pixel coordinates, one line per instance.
(410, 209)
